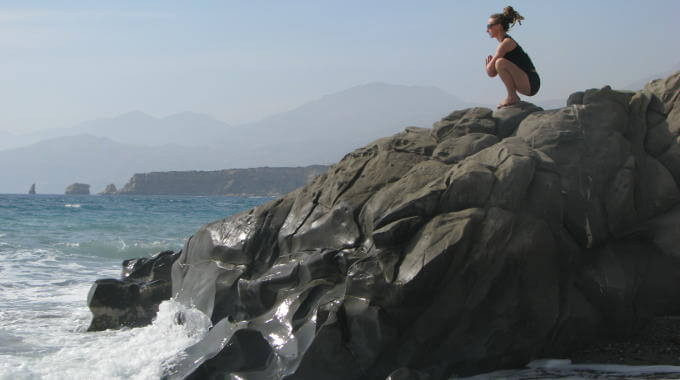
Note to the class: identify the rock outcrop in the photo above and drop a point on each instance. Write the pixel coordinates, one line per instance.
(78, 189)
(109, 190)
(133, 300)
(264, 181)
(496, 237)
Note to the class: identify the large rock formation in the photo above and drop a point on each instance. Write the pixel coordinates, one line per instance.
(254, 181)
(78, 189)
(491, 239)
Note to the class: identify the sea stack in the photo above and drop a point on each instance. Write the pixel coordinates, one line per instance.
(78, 189)
(110, 190)
(32, 189)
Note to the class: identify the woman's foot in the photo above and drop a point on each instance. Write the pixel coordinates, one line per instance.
(510, 100)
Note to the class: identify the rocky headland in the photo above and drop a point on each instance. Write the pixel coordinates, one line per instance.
(265, 181)
(491, 239)
(78, 189)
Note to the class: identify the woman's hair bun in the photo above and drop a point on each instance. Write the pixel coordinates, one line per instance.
(511, 15)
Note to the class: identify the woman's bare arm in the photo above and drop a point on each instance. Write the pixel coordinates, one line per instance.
(507, 45)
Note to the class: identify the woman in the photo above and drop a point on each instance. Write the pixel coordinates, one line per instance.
(510, 62)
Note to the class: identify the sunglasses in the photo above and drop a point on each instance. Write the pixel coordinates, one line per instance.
(488, 26)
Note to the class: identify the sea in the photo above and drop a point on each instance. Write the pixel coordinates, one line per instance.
(53, 247)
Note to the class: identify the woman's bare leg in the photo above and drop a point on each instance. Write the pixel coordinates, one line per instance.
(514, 79)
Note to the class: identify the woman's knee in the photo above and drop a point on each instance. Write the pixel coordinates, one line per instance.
(501, 63)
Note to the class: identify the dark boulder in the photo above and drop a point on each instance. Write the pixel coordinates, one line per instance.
(133, 300)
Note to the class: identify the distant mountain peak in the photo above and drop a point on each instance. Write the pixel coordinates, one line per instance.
(136, 114)
(382, 90)
(190, 115)
(387, 86)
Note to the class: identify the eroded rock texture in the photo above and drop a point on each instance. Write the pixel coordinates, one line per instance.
(493, 238)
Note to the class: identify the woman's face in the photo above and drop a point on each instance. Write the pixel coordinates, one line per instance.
(493, 27)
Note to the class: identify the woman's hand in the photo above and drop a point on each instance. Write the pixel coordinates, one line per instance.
(490, 70)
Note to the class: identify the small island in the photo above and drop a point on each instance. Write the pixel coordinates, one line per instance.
(78, 189)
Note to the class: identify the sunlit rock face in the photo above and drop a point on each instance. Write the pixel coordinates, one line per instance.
(491, 239)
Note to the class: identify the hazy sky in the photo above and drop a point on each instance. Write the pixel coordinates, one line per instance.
(64, 62)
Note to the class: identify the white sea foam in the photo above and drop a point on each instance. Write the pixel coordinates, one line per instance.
(51, 251)
(44, 319)
(140, 353)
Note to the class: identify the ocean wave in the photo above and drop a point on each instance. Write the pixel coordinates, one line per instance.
(54, 247)
(121, 249)
(138, 353)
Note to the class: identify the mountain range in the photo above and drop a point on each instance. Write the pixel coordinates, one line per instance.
(111, 150)
(137, 128)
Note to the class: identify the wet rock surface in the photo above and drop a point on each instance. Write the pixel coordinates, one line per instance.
(492, 239)
(133, 300)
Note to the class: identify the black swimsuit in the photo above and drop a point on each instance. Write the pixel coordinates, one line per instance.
(522, 60)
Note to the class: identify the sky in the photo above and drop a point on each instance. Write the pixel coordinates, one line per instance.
(64, 62)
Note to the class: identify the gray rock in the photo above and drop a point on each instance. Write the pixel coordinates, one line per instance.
(133, 300)
(109, 190)
(659, 139)
(469, 186)
(459, 123)
(508, 118)
(78, 189)
(575, 98)
(403, 262)
(667, 91)
(397, 231)
(411, 140)
(453, 150)
(415, 194)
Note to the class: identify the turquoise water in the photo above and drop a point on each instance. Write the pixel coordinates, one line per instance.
(52, 247)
